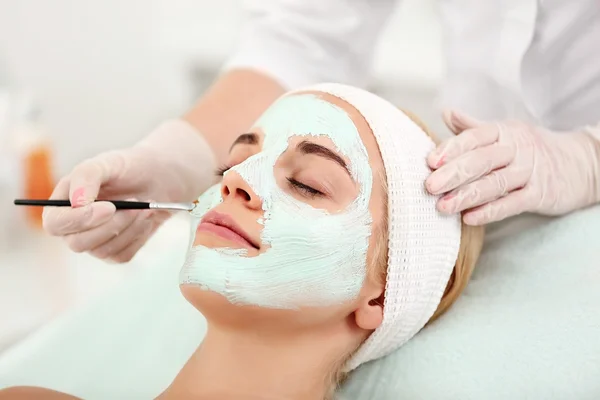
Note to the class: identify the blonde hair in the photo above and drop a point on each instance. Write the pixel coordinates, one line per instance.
(471, 242)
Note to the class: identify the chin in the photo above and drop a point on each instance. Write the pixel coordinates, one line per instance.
(218, 310)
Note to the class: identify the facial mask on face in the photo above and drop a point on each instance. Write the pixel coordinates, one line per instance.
(315, 258)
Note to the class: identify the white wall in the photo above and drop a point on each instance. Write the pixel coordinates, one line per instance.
(107, 71)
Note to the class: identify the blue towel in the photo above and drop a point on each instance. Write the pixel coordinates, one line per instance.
(527, 326)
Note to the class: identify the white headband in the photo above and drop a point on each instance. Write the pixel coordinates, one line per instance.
(423, 243)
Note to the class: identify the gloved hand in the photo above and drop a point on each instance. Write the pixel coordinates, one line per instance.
(173, 164)
(497, 170)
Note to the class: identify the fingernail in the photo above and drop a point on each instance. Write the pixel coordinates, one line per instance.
(430, 185)
(445, 204)
(437, 182)
(441, 153)
(448, 197)
(441, 161)
(79, 197)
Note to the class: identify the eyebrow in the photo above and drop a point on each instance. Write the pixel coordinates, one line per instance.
(245, 138)
(306, 147)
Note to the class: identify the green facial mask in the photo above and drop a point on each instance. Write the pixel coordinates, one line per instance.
(315, 258)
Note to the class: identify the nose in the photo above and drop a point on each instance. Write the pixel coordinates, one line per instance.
(236, 188)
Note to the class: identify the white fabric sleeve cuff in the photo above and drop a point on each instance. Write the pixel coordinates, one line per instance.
(302, 42)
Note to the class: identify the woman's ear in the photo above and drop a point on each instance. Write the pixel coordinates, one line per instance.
(369, 315)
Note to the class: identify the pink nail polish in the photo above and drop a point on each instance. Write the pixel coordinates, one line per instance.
(429, 186)
(78, 197)
(449, 197)
(446, 205)
(441, 161)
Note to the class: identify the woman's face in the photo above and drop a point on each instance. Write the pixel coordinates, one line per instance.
(292, 227)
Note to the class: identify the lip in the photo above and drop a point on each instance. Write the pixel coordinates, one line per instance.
(224, 226)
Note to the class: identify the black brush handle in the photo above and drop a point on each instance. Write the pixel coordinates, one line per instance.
(119, 204)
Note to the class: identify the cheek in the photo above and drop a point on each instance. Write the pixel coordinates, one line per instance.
(314, 318)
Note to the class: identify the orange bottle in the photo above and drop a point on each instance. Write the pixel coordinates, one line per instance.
(38, 181)
(35, 157)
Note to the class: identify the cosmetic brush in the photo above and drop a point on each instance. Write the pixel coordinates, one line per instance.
(119, 204)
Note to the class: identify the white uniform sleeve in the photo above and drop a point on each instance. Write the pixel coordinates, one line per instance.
(302, 42)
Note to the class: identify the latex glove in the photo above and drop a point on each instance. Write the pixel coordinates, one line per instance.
(173, 164)
(496, 170)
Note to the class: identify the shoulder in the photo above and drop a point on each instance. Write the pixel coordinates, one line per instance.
(29, 392)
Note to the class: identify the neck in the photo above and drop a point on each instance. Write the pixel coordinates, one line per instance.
(257, 366)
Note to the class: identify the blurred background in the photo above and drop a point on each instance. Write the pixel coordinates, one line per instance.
(81, 77)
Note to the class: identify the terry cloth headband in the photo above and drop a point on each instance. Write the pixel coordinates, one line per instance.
(423, 243)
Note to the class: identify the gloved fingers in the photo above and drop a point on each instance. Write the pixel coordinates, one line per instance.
(514, 203)
(139, 229)
(62, 221)
(87, 178)
(469, 167)
(52, 217)
(458, 121)
(468, 140)
(492, 186)
(131, 250)
(88, 240)
(81, 186)
(61, 190)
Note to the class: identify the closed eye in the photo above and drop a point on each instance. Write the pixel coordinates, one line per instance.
(304, 189)
(222, 169)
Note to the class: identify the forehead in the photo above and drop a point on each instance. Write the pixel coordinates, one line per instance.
(323, 116)
(307, 114)
(364, 131)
